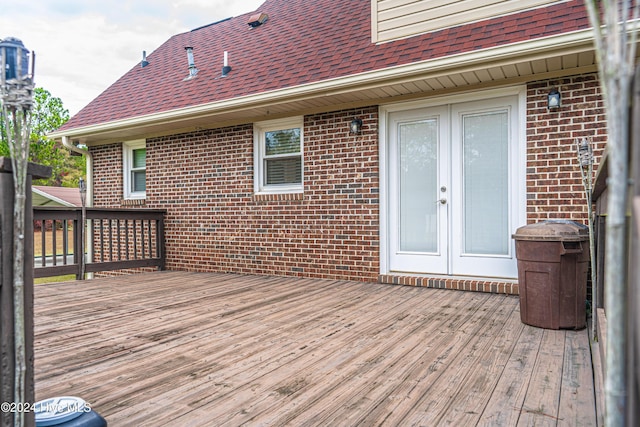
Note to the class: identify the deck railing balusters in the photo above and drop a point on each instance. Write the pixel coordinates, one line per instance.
(43, 243)
(135, 241)
(142, 238)
(149, 246)
(110, 222)
(126, 237)
(101, 240)
(65, 241)
(54, 243)
(118, 233)
(119, 230)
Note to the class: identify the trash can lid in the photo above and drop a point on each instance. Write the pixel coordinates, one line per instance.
(553, 230)
(58, 410)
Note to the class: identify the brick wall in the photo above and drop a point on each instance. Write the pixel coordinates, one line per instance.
(216, 223)
(554, 184)
(107, 164)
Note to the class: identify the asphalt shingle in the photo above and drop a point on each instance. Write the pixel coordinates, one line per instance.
(302, 42)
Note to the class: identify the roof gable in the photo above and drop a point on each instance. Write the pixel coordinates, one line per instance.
(55, 196)
(302, 42)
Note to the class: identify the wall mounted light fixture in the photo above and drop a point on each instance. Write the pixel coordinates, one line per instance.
(553, 99)
(355, 127)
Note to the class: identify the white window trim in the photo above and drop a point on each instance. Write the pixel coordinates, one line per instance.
(259, 130)
(127, 159)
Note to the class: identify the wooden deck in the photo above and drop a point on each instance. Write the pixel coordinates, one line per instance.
(191, 349)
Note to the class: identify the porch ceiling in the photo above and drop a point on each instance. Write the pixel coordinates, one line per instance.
(501, 66)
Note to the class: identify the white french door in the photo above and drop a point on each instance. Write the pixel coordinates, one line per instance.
(419, 166)
(453, 188)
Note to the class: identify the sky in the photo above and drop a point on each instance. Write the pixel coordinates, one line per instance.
(83, 46)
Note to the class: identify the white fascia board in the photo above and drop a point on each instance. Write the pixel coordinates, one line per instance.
(567, 42)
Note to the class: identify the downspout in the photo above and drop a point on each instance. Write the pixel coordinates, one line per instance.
(66, 142)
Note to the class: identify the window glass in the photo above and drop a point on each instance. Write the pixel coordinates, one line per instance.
(139, 158)
(486, 183)
(283, 171)
(282, 142)
(138, 172)
(139, 181)
(418, 155)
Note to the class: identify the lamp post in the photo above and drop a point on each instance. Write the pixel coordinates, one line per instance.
(585, 161)
(16, 98)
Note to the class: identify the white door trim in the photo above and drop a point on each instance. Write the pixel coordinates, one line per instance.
(519, 169)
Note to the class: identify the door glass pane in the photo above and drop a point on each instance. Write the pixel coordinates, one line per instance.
(486, 183)
(418, 153)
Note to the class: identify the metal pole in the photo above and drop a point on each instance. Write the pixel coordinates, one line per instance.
(16, 97)
(585, 160)
(83, 198)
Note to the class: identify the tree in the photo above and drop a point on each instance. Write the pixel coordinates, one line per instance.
(47, 115)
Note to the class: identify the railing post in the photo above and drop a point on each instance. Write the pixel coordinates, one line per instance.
(161, 243)
(6, 288)
(79, 244)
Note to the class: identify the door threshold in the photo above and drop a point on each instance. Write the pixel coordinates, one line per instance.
(460, 283)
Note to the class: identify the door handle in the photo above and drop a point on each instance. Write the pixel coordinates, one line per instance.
(442, 201)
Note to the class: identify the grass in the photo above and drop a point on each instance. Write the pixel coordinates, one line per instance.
(37, 242)
(54, 279)
(48, 250)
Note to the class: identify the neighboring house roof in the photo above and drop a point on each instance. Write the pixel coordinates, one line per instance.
(55, 196)
(302, 43)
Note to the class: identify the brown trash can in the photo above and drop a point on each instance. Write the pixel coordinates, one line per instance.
(553, 262)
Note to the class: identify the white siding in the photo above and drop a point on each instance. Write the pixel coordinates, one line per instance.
(395, 19)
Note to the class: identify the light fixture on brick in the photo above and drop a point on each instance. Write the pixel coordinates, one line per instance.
(355, 127)
(553, 99)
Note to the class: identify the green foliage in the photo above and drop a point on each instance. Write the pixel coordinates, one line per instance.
(47, 115)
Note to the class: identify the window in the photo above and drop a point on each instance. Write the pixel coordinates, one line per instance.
(278, 156)
(135, 169)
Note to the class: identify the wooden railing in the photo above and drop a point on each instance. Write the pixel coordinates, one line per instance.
(117, 239)
(631, 302)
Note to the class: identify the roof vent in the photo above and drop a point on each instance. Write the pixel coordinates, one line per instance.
(144, 61)
(192, 65)
(225, 64)
(258, 19)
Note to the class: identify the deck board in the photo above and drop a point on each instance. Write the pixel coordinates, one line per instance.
(506, 401)
(542, 401)
(177, 348)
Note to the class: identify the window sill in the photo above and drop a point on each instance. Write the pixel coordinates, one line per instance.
(133, 202)
(271, 197)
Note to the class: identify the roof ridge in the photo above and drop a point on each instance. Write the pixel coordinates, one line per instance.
(213, 23)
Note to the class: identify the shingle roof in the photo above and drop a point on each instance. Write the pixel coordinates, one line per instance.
(302, 42)
(57, 196)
